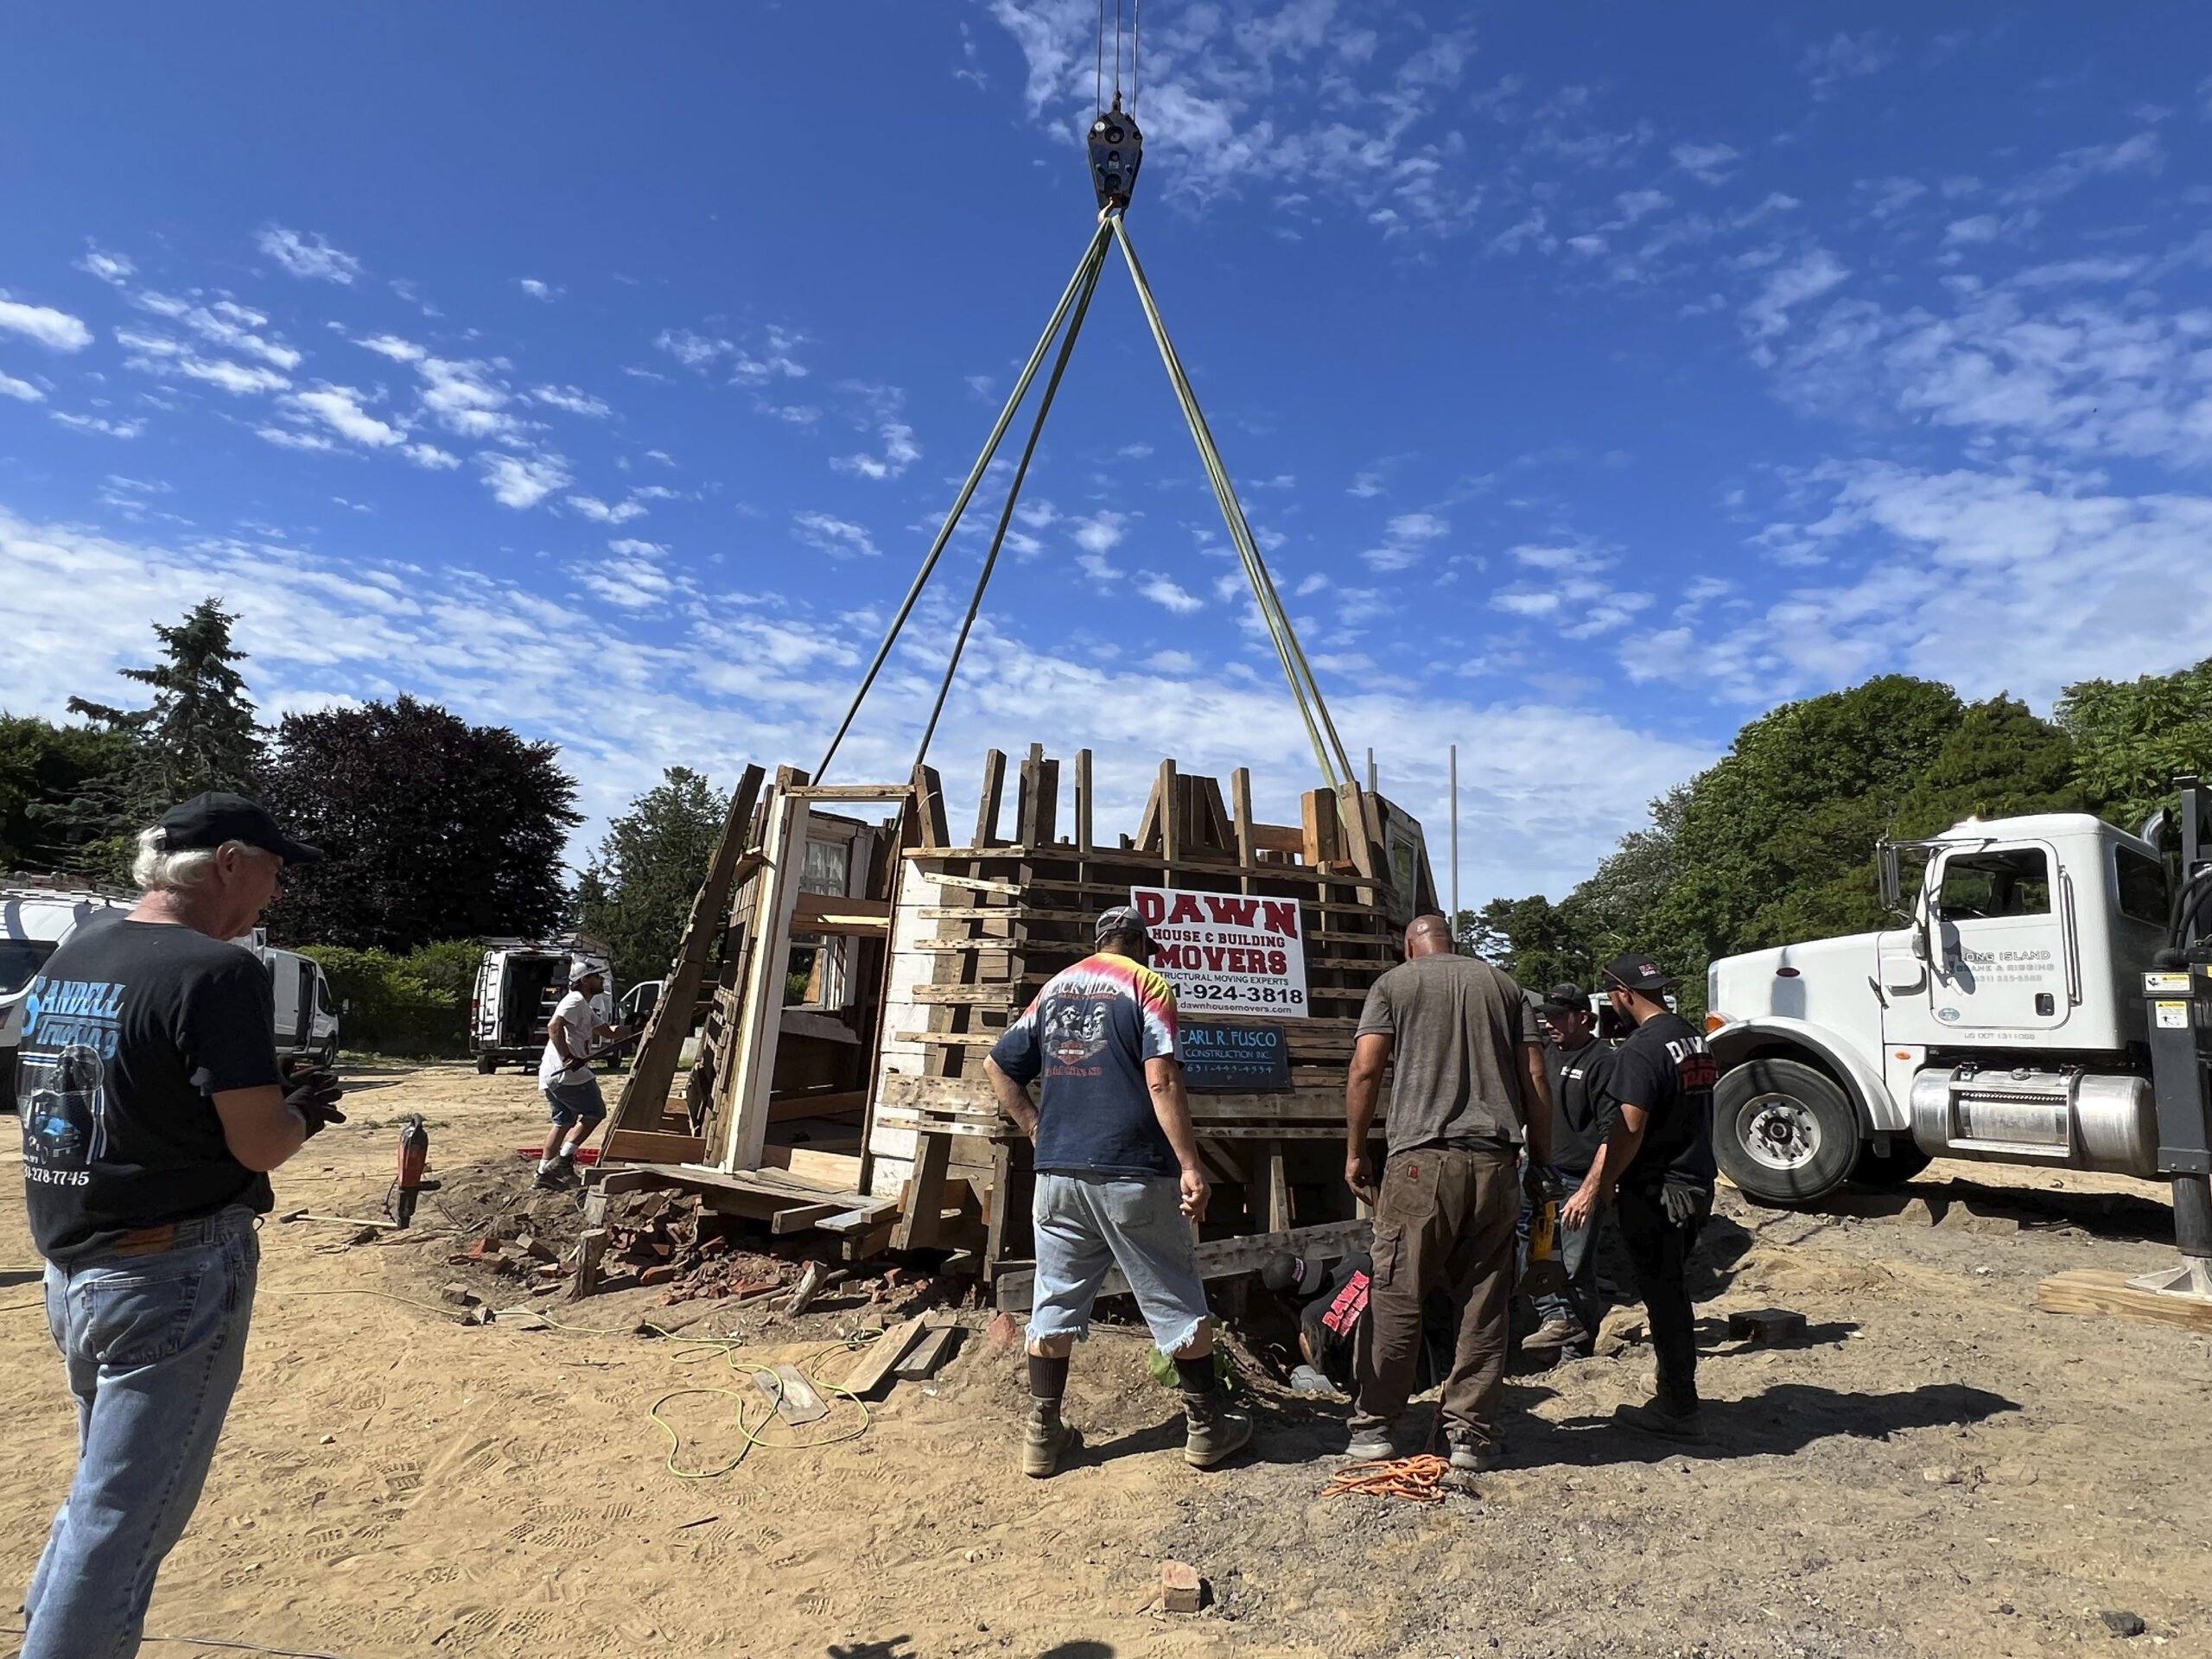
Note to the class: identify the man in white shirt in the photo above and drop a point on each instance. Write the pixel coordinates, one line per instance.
(573, 1038)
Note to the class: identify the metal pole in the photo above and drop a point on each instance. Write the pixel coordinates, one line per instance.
(1374, 787)
(1455, 836)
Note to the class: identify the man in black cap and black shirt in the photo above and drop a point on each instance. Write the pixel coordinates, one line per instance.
(152, 1109)
(1574, 1060)
(1656, 1168)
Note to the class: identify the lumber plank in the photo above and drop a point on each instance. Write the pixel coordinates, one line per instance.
(799, 1217)
(834, 1171)
(877, 1359)
(2089, 1290)
(932, 1352)
(794, 1107)
(653, 1146)
(1220, 1258)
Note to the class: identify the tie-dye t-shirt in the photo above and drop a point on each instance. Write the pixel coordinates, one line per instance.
(1088, 1035)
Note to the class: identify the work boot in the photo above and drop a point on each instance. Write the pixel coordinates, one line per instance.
(1556, 1333)
(1657, 1418)
(549, 1178)
(1473, 1453)
(1370, 1443)
(1044, 1438)
(1217, 1431)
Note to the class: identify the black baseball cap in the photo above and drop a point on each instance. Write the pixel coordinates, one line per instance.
(1636, 973)
(1293, 1275)
(216, 817)
(1124, 919)
(1565, 999)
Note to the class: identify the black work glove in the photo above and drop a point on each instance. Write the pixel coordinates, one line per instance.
(314, 1094)
(1685, 1204)
(1540, 1181)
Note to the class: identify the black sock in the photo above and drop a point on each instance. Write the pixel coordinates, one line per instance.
(1048, 1378)
(1195, 1375)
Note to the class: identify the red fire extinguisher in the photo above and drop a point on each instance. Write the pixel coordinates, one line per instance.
(414, 1159)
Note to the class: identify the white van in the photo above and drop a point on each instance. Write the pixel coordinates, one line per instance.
(306, 1013)
(34, 921)
(518, 987)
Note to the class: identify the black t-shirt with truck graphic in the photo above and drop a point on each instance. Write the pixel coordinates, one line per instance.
(129, 1031)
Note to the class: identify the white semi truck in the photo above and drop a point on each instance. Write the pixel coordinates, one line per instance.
(2046, 1002)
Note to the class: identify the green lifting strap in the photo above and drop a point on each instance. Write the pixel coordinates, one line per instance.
(1321, 730)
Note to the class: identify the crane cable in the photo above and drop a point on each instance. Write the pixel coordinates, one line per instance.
(1295, 668)
(967, 491)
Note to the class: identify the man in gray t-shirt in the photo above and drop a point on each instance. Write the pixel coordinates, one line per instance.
(1467, 1080)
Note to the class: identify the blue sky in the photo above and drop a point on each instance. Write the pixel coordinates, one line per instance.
(1595, 376)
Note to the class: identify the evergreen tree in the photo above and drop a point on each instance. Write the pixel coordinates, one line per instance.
(42, 765)
(198, 734)
(433, 828)
(636, 895)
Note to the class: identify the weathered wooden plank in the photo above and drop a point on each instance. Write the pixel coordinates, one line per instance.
(647, 1146)
(2089, 1290)
(1220, 1258)
(879, 1357)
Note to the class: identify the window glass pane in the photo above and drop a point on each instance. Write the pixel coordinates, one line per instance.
(2142, 886)
(20, 960)
(2015, 881)
(825, 868)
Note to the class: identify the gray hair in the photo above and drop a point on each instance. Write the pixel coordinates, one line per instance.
(156, 868)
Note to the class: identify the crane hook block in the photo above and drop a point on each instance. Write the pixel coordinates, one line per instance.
(1116, 152)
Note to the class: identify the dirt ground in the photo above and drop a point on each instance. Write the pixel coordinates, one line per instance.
(1938, 1469)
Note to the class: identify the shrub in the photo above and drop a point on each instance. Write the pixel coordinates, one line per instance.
(415, 1005)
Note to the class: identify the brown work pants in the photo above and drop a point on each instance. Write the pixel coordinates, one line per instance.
(1442, 1218)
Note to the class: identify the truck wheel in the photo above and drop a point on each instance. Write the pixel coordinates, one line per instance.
(1784, 1133)
(1904, 1161)
(486, 1064)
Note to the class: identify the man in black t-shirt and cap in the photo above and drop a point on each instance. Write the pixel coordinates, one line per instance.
(1574, 1060)
(153, 1108)
(1656, 1168)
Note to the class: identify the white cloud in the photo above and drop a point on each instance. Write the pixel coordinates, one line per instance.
(55, 330)
(621, 514)
(1981, 227)
(1405, 537)
(1173, 662)
(839, 538)
(1713, 163)
(108, 267)
(899, 452)
(99, 424)
(224, 323)
(339, 409)
(285, 438)
(522, 482)
(1845, 55)
(2143, 153)
(159, 354)
(307, 256)
(430, 456)
(1101, 532)
(391, 345)
(1806, 277)
(571, 398)
(1987, 580)
(1099, 567)
(23, 390)
(1161, 591)
(536, 290)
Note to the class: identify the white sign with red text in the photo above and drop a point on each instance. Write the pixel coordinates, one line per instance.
(1225, 953)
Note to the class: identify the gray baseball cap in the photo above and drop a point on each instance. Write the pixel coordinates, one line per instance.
(1123, 918)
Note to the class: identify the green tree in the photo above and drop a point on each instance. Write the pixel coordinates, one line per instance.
(2132, 738)
(435, 829)
(2001, 761)
(198, 734)
(41, 766)
(636, 895)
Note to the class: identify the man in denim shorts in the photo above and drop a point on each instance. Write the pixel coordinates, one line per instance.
(1118, 1182)
(152, 1109)
(573, 1038)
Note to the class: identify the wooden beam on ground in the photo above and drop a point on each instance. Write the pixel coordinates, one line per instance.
(877, 1359)
(2087, 1290)
(1221, 1258)
(651, 1146)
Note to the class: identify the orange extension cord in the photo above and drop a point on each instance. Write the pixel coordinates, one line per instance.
(1418, 1480)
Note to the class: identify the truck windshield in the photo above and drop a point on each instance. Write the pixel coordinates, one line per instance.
(2011, 881)
(20, 959)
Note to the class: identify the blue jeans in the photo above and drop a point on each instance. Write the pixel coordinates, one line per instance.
(1086, 1223)
(1578, 1258)
(153, 1345)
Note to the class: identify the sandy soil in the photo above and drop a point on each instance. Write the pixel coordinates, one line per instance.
(1940, 1469)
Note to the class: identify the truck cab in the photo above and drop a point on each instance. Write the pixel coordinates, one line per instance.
(2003, 1022)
